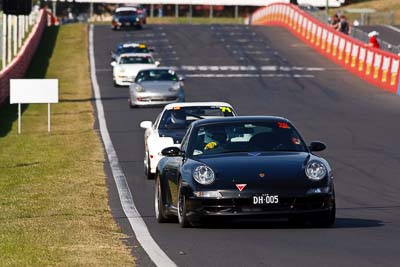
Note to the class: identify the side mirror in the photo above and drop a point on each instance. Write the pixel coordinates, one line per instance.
(172, 151)
(157, 63)
(151, 50)
(181, 78)
(317, 146)
(113, 64)
(146, 124)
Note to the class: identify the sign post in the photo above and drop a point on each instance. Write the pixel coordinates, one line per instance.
(33, 91)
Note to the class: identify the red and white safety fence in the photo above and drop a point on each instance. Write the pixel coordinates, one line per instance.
(373, 65)
(19, 65)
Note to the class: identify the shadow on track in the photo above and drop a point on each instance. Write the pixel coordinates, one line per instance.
(37, 70)
(341, 223)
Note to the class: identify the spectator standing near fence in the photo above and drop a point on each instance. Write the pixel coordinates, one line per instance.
(344, 26)
(373, 39)
(335, 21)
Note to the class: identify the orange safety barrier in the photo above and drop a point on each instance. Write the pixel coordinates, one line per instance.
(373, 65)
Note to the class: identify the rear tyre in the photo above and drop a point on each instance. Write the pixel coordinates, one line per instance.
(158, 203)
(182, 209)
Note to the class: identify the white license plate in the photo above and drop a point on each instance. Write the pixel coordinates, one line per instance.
(265, 199)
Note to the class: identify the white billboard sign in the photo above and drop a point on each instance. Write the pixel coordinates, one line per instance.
(33, 91)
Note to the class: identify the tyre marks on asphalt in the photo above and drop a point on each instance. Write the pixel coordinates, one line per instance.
(163, 49)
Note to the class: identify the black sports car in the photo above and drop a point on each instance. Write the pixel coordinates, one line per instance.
(244, 166)
(126, 17)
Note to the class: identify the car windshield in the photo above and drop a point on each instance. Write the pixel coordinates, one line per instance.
(246, 137)
(136, 60)
(132, 49)
(125, 13)
(156, 75)
(182, 117)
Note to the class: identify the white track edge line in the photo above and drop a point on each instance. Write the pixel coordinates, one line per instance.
(156, 254)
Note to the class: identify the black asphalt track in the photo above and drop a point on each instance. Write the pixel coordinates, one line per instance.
(359, 123)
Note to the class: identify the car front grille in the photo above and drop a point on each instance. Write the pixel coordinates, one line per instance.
(245, 205)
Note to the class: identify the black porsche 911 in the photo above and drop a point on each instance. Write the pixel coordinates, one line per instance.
(244, 166)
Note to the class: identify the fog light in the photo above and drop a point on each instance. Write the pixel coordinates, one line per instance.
(319, 190)
(208, 194)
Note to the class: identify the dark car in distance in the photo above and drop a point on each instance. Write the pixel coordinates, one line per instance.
(126, 17)
(244, 167)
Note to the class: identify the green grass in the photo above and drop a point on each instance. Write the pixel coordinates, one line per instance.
(378, 5)
(53, 195)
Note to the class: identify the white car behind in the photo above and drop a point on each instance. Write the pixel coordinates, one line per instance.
(171, 125)
(127, 66)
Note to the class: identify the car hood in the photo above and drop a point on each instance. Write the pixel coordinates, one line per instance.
(133, 69)
(157, 86)
(261, 172)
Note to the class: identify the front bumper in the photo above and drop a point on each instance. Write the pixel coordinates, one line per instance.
(124, 80)
(244, 207)
(148, 99)
(125, 24)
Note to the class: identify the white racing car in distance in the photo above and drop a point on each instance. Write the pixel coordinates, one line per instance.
(127, 66)
(171, 125)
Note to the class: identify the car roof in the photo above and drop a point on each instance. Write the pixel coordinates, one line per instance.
(239, 119)
(196, 104)
(135, 55)
(131, 45)
(126, 8)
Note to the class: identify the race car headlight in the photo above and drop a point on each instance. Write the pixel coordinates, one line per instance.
(315, 170)
(139, 88)
(204, 175)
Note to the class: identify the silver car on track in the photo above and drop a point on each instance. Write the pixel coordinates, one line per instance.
(157, 86)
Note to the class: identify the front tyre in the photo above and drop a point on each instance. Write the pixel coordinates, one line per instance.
(182, 209)
(158, 203)
(130, 105)
(325, 219)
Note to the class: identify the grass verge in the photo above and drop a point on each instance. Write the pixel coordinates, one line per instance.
(53, 195)
(378, 5)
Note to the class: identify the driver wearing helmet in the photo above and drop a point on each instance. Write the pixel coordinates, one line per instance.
(215, 138)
